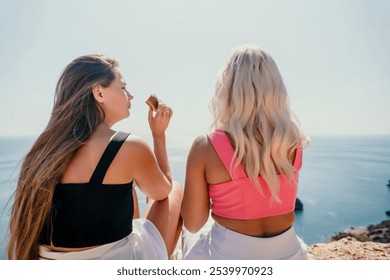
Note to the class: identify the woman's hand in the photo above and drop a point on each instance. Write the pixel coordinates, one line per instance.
(159, 122)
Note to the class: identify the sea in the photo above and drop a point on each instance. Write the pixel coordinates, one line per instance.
(343, 183)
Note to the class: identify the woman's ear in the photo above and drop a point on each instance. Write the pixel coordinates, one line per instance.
(97, 93)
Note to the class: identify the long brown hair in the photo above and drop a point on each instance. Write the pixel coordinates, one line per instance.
(74, 117)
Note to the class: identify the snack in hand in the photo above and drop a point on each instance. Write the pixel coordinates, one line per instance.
(152, 102)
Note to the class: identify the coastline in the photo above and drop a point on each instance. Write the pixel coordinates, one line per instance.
(363, 243)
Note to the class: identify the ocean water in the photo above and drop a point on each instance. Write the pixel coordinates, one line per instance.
(342, 183)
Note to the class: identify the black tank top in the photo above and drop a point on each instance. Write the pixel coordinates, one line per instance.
(93, 213)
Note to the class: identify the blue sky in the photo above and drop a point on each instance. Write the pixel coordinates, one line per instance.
(333, 55)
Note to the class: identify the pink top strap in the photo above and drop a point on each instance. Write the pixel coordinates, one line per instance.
(225, 151)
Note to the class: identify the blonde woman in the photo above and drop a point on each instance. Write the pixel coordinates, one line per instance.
(74, 197)
(246, 168)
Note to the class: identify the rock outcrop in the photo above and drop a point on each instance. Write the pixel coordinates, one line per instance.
(298, 205)
(348, 248)
(371, 243)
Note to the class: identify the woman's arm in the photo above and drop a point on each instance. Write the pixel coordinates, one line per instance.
(158, 125)
(195, 208)
(152, 171)
(160, 152)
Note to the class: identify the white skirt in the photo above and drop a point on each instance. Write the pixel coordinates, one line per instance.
(221, 243)
(144, 243)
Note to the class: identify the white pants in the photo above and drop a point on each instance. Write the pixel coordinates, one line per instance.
(221, 243)
(144, 243)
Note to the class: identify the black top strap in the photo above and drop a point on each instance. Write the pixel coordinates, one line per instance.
(107, 157)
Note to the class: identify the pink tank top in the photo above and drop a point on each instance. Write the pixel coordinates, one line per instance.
(239, 198)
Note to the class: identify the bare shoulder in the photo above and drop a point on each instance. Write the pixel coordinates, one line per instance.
(136, 146)
(201, 147)
(201, 142)
(136, 141)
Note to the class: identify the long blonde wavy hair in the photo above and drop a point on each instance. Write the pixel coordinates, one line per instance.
(74, 117)
(251, 104)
